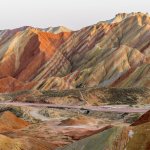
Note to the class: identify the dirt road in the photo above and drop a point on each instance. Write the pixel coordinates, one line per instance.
(106, 108)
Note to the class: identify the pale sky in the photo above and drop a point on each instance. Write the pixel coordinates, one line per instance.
(73, 14)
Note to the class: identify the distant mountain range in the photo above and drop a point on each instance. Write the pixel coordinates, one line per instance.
(112, 53)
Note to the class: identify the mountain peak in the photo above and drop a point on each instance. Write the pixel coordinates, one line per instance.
(121, 16)
(57, 29)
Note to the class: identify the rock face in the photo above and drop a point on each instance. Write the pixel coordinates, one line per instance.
(112, 53)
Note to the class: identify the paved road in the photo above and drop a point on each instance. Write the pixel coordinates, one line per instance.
(107, 108)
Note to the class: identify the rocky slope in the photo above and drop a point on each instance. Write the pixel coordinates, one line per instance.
(23, 53)
(125, 44)
(112, 53)
(117, 138)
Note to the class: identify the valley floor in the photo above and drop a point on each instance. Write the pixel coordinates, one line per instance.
(102, 108)
(51, 126)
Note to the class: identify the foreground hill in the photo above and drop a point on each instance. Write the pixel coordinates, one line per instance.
(112, 53)
(118, 138)
(44, 128)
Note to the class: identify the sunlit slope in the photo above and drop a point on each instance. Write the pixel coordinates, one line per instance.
(114, 53)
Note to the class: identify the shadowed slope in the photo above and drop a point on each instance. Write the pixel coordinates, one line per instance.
(143, 119)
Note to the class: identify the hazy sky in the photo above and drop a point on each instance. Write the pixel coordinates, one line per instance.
(71, 13)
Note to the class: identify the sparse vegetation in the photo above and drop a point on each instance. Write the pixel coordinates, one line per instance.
(130, 96)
